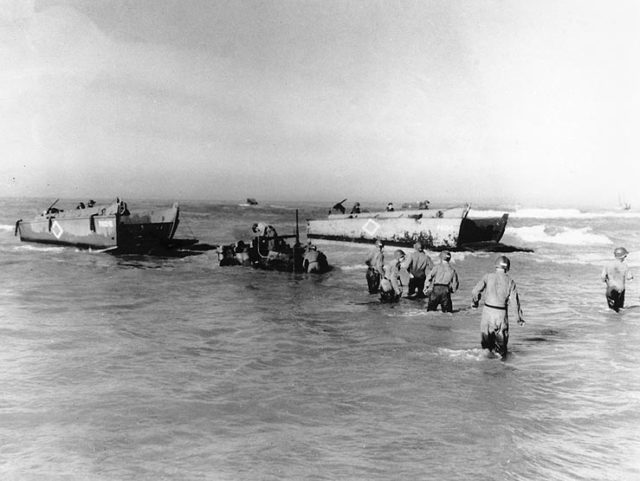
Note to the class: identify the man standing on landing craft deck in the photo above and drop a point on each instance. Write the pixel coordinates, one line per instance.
(499, 288)
(615, 274)
(418, 265)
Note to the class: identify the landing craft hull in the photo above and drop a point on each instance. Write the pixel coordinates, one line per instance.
(102, 228)
(452, 229)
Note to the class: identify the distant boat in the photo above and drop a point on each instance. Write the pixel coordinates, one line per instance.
(435, 229)
(624, 205)
(106, 227)
(250, 202)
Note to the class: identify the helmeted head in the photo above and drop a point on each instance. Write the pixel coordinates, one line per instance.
(379, 244)
(620, 252)
(445, 256)
(503, 262)
(418, 246)
(399, 254)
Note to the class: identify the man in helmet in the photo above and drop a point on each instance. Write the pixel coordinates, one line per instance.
(314, 260)
(418, 265)
(391, 284)
(375, 267)
(443, 280)
(615, 274)
(499, 289)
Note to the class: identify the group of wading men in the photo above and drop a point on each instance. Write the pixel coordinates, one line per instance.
(437, 283)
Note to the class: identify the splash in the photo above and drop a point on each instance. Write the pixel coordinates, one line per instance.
(539, 213)
(569, 214)
(562, 235)
(38, 249)
(474, 354)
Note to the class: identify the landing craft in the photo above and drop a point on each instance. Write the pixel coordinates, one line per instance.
(104, 227)
(451, 228)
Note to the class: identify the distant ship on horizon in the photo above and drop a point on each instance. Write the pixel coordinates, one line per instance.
(624, 205)
(250, 202)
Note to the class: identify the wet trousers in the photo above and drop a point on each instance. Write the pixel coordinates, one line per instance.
(615, 298)
(416, 286)
(440, 296)
(373, 280)
(494, 329)
(387, 292)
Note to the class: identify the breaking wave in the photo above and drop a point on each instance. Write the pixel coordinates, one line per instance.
(28, 247)
(473, 354)
(535, 213)
(559, 235)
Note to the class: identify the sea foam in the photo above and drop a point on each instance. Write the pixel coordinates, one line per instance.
(563, 235)
(540, 213)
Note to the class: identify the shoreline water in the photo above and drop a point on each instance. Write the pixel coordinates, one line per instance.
(134, 367)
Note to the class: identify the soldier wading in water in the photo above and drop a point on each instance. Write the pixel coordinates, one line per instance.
(375, 267)
(615, 274)
(498, 289)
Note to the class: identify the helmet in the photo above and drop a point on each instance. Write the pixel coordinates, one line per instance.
(398, 254)
(620, 252)
(379, 243)
(445, 255)
(503, 262)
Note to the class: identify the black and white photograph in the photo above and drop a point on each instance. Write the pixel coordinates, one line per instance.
(319, 240)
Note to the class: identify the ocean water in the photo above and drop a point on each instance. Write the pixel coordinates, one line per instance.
(143, 368)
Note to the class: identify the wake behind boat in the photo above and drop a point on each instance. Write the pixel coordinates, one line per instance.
(105, 227)
(453, 229)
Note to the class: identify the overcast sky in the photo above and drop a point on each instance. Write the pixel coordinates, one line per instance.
(519, 102)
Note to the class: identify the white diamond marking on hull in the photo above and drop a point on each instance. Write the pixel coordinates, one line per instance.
(56, 229)
(371, 227)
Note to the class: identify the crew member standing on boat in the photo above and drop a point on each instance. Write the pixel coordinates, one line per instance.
(266, 238)
(499, 289)
(391, 283)
(615, 274)
(418, 265)
(339, 207)
(375, 267)
(443, 280)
